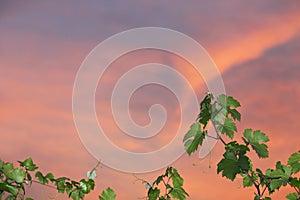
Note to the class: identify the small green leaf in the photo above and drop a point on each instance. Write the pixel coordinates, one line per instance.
(218, 114)
(28, 164)
(7, 169)
(278, 177)
(42, 179)
(275, 184)
(176, 178)
(256, 139)
(247, 181)
(228, 101)
(178, 193)
(60, 184)
(228, 127)
(193, 138)
(9, 188)
(205, 112)
(159, 179)
(76, 194)
(293, 196)
(68, 187)
(234, 114)
(153, 193)
(29, 178)
(238, 149)
(18, 175)
(108, 194)
(50, 177)
(86, 186)
(230, 165)
(294, 182)
(294, 162)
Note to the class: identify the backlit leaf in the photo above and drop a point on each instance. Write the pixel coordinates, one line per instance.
(256, 139)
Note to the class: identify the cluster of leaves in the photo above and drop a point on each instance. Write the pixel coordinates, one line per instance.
(14, 179)
(172, 183)
(221, 112)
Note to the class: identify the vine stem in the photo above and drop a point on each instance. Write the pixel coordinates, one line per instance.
(256, 185)
(212, 121)
(167, 193)
(97, 165)
(264, 190)
(219, 136)
(296, 189)
(139, 179)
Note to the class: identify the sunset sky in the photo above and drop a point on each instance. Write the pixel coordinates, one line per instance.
(255, 45)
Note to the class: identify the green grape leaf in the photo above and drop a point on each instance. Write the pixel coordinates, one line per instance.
(7, 169)
(294, 162)
(9, 188)
(76, 194)
(42, 179)
(108, 194)
(218, 114)
(159, 179)
(230, 165)
(278, 177)
(205, 112)
(193, 138)
(153, 193)
(228, 127)
(28, 164)
(60, 184)
(275, 184)
(294, 182)
(238, 149)
(86, 186)
(18, 175)
(234, 114)
(68, 187)
(293, 196)
(177, 192)
(247, 181)
(256, 139)
(29, 178)
(284, 172)
(50, 177)
(244, 163)
(228, 101)
(28, 198)
(174, 189)
(176, 178)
